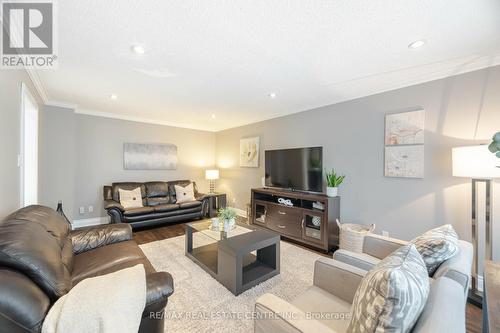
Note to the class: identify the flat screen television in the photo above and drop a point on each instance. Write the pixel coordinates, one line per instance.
(297, 169)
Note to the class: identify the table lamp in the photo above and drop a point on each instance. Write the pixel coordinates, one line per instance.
(479, 164)
(212, 175)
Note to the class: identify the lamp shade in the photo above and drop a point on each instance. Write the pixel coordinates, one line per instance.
(475, 162)
(212, 174)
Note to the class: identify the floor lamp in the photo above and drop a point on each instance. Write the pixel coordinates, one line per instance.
(481, 166)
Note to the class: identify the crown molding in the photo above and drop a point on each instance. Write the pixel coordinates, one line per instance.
(62, 104)
(139, 119)
(37, 83)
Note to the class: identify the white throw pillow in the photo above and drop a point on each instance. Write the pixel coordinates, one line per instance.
(184, 194)
(131, 199)
(103, 304)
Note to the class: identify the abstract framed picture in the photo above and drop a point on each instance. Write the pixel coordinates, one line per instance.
(149, 156)
(249, 152)
(404, 161)
(405, 128)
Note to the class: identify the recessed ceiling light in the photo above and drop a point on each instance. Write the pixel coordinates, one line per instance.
(113, 97)
(418, 43)
(213, 116)
(138, 49)
(272, 95)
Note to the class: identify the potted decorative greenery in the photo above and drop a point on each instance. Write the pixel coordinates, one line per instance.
(228, 217)
(333, 181)
(494, 146)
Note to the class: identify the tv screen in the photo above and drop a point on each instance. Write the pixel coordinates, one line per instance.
(298, 169)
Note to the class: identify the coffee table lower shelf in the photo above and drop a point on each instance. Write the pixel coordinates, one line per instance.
(240, 262)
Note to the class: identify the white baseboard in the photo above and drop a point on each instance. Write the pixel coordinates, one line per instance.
(90, 222)
(480, 283)
(239, 212)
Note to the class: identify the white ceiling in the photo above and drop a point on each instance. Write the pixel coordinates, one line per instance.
(226, 57)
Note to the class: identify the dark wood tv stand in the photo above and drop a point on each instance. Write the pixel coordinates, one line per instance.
(310, 220)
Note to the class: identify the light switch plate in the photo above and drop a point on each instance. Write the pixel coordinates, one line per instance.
(385, 233)
(91, 209)
(82, 210)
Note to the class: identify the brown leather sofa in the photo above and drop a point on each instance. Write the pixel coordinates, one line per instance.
(159, 201)
(41, 259)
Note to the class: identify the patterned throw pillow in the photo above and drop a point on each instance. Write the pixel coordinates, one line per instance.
(131, 199)
(436, 246)
(392, 295)
(184, 194)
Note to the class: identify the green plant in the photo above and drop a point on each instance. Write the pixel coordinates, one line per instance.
(226, 214)
(333, 179)
(494, 146)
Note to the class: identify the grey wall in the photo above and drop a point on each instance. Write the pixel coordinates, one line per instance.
(10, 127)
(86, 152)
(352, 134)
(58, 157)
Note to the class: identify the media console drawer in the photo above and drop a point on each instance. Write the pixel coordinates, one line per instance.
(282, 212)
(287, 227)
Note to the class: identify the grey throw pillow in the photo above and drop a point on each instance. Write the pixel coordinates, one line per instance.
(391, 296)
(436, 246)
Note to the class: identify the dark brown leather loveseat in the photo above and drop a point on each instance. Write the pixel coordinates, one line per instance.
(41, 259)
(159, 201)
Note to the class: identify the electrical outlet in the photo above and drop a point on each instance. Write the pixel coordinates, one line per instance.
(82, 210)
(91, 209)
(385, 233)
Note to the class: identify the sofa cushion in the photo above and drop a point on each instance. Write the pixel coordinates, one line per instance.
(336, 310)
(436, 246)
(392, 295)
(30, 248)
(157, 193)
(190, 204)
(99, 260)
(166, 208)
(138, 211)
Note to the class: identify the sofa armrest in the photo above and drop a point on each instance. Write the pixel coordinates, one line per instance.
(380, 246)
(337, 278)
(458, 267)
(110, 204)
(160, 285)
(359, 260)
(272, 314)
(23, 304)
(204, 199)
(86, 239)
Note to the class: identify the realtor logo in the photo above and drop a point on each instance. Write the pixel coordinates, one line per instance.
(28, 34)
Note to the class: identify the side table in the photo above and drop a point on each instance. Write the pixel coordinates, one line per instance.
(216, 201)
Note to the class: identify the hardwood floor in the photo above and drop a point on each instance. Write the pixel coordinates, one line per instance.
(473, 313)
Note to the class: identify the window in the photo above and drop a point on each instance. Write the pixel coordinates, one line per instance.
(29, 148)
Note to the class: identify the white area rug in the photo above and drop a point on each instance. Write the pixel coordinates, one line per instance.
(200, 304)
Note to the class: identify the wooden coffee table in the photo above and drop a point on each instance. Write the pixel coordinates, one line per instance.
(239, 259)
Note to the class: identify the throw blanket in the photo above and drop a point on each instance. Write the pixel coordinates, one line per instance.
(104, 304)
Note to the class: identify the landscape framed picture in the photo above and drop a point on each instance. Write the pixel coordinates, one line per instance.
(149, 156)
